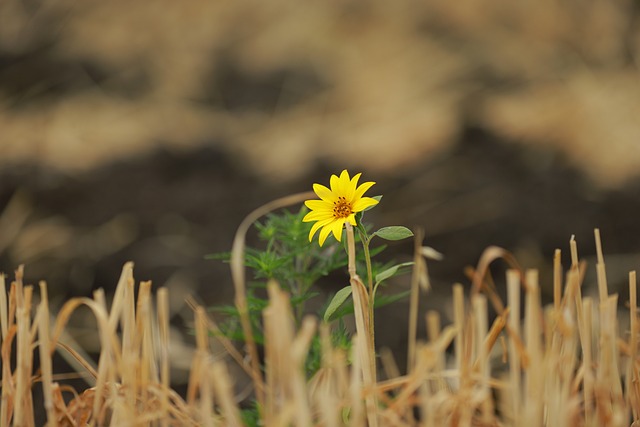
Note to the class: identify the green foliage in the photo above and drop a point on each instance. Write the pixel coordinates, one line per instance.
(286, 256)
(340, 339)
(231, 327)
(391, 271)
(251, 415)
(338, 299)
(340, 305)
(396, 232)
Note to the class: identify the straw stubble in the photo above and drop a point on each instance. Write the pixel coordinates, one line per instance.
(564, 364)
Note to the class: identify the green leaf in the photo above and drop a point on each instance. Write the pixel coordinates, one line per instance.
(346, 414)
(338, 299)
(396, 232)
(391, 271)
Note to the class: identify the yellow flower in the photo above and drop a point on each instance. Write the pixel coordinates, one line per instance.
(337, 205)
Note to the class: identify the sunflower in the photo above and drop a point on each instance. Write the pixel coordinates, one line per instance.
(337, 205)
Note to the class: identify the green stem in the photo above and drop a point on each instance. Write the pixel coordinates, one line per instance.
(367, 260)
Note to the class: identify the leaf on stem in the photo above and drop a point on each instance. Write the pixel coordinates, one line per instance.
(396, 232)
(338, 299)
(391, 271)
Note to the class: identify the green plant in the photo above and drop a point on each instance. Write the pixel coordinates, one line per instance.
(286, 256)
(283, 254)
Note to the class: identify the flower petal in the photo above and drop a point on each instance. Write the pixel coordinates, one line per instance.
(352, 220)
(334, 183)
(317, 216)
(317, 226)
(324, 233)
(318, 205)
(336, 228)
(324, 193)
(362, 189)
(363, 203)
(350, 188)
(340, 185)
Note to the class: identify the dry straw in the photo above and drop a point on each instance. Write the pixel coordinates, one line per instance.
(565, 364)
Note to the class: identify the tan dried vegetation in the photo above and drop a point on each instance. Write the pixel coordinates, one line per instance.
(566, 364)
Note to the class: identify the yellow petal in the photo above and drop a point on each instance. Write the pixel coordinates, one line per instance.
(334, 183)
(316, 226)
(324, 193)
(336, 228)
(322, 210)
(318, 205)
(317, 216)
(345, 182)
(340, 185)
(324, 233)
(362, 189)
(350, 188)
(363, 203)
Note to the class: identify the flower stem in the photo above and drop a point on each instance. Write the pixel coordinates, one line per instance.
(351, 250)
(371, 300)
(363, 307)
(367, 260)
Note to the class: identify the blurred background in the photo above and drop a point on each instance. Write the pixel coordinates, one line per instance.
(146, 131)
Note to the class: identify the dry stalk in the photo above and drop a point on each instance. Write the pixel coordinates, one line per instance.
(568, 365)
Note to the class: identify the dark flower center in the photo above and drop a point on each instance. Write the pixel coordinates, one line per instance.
(341, 208)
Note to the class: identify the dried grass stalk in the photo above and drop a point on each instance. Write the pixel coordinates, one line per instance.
(568, 365)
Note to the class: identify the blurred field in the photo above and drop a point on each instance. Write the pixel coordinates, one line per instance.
(145, 131)
(376, 85)
(456, 109)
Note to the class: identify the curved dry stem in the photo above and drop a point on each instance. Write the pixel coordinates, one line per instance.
(238, 276)
(101, 316)
(489, 255)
